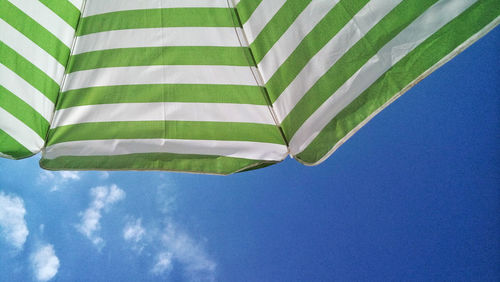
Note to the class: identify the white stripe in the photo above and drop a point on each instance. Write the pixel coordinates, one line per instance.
(46, 18)
(218, 112)
(20, 132)
(77, 3)
(412, 36)
(235, 149)
(101, 7)
(351, 33)
(157, 37)
(289, 41)
(26, 92)
(235, 2)
(260, 17)
(234, 75)
(3, 155)
(31, 52)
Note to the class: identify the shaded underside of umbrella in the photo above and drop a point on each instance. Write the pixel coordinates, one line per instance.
(215, 86)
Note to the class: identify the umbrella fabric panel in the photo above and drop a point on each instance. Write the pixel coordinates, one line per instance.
(410, 63)
(162, 86)
(330, 66)
(35, 42)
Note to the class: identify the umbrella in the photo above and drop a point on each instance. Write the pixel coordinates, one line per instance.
(213, 86)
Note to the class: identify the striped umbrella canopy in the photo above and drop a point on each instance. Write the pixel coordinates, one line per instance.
(213, 86)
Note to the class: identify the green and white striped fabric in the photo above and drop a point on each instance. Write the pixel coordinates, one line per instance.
(215, 86)
(330, 66)
(162, 85)
(35, 43)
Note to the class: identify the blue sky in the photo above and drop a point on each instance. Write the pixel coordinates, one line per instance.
(414, 195)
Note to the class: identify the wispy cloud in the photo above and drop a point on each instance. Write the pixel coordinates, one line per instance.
(73, 175)
(45, 263)
(103, 197)
(169, 243)
(163, 263)
(196, 262)
(134, 234)
(12, 224)
(57, 180)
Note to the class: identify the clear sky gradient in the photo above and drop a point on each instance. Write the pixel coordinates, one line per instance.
(414, 195)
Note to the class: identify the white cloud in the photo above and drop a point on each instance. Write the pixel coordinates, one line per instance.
(58, 179)
(102, 199)
(168, 243)
(196, 262)
(73, 175)
(163, 263)
(12, 224)
(134, 234)
(46, 176)
(45, 263)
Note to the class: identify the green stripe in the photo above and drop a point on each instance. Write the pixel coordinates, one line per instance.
(192, 130)
(64, 9)
(426, 55)
(201, 93)
(169, 17)
(259, 166)
(154, 161)
(29, 72)
(385, 30)
(327, 28)
(274, 29)
(34, 31)
(149, 56)
(11, 147)
(24, 112)
(245, 9)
